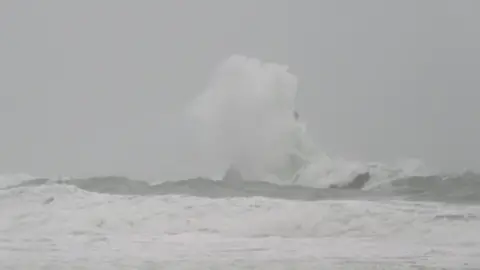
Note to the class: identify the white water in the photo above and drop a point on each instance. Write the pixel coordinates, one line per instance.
(13, 179)
(62, 227)
(245, 117)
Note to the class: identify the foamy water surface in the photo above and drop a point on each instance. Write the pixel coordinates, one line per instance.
(282, 217)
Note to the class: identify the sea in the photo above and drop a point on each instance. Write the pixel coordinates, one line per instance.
(283, 214)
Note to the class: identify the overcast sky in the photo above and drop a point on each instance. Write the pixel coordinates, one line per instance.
(95, 87)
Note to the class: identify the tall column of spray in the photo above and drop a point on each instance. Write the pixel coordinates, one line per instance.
(245, 116)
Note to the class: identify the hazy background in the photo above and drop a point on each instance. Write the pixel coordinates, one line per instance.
(96, 87)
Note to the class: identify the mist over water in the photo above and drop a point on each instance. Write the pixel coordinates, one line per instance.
(122, 118)
(246, 117)
(291, 210)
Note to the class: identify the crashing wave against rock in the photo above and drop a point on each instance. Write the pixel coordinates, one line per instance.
(456, 188)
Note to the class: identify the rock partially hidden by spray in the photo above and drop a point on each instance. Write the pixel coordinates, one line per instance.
(233, 175)
(357, 183)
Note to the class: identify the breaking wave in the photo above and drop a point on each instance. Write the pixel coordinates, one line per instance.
(246, 118)
(459, 188)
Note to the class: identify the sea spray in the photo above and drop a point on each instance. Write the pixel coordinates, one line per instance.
(246, 118)
(246, 115)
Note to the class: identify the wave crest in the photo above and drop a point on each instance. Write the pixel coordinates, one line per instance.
(463, 187)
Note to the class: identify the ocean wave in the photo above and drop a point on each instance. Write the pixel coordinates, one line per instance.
(14, 179)
(246, 118)
(458, 187)
(68, 209)
(50, 219)
(463, 187)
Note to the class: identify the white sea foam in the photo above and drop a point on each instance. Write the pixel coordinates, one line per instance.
(59, 226)
(245, 118)
(12, 179)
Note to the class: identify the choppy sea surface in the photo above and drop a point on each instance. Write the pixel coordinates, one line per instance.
(429, 222)
(403, 217)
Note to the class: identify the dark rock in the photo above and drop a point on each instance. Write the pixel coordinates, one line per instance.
(49, 200)
(357, 183)
(233, 175)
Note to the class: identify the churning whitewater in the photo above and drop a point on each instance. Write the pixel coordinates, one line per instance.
(281, 202)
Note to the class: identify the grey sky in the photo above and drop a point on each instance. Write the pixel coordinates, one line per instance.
(96, 87)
